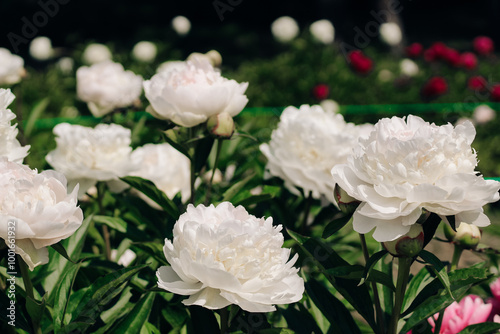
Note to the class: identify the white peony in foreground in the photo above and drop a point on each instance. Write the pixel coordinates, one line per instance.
(307, 144)
(189, 95)
(9, 145)
(85, 155)
(407, 165)
(222, 255)
(11, 68)
(39, 208)
(106, 86)
(166, 167)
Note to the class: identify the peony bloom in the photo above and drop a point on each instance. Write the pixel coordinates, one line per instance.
(471, 310)
(452, 57)
(390, 33)
(223, 255)
(181, 25)
(483, 114)
(435, 87)
(468, 60)
(285, 29)
(212, 56)
(107, 86)
(323, 31)
(96, 53)
(321, 91)
(145, 51)
(407, 165)
(483, 45)
(189, 96)
(359, 62)
(478, 83)
(11, 68)
(306, 145)
(495, 300)
(9, 145)
(414, 50)
(39, 208)
(41, 48)
(85, 155)
(166, 167)
(170, 65)
(408, 67)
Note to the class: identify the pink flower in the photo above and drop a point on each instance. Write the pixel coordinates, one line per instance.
(321, 91)
(360, 63)
(451, 56)
(468, 60)
(483, 45)
(495, 93)
(435, 87)
(478, 83)
(495, 300)
(414, 50)
(471, 310)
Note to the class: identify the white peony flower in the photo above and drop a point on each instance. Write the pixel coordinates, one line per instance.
(11, 68)
(390, 33)
(145, 51)
(408, 67)
(41, 48)
(166, 167)
(189, 96)
(409, 165)
(285, 29)
(323, 31)
(222, 255)
(170, 65)
(125, 259)
(212, 56)
(181, 25)
(85, 155)
(38, 207)
(9, 145)
(96, 53)
(106, 86)
(66, 65)
(483, 114)
(306, 145)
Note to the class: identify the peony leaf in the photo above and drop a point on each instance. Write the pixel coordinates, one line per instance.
(430, 226)
(333, 309)
(371, 262)
(150, 190)
(61, 250)
(276, 331)
(482, 328)
(114, 222)
(438, 268)
(203, 320)
(134, 320)
(451, 221)
(246, 199)
(35, 309)
(154, 249)
(120, 309)
(61, 298)
(301, 320)
(356, 272)
(202, 151)
(336, 225)
(20, 318)
(236, 188)
(170, 137)
(35, 114)
(149, 328)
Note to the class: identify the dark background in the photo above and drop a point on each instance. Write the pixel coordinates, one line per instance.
(245, 31)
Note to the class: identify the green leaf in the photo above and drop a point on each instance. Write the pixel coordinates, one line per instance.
(100, 293)
(150, 190)
(334, 310)
(134, 321)
(203, 320)
(35, 309)
(61, 298)
(451, 221)
(114, 222)
(276, 331)
(169, 137)
(236, 188)
(301, 320)
(58, 265)
(202, 151)
(149, 328)
(35, 114)
(246, 198)
(154, 249)
(61, 250)
(371, 263)
(18, 318)
(336, 225)
(438, 267)
(356, 272)
(430, 226)
(416, 285)
(119, 310)
(482, 328)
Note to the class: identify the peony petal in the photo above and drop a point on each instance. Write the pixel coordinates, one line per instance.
(170, 281)
(247, 305)
(32, 256)
(208, 298)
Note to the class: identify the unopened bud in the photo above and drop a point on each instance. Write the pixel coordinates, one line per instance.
(409, 245)
(221, 125)
(215, 58)
(468, 236)
(346, 203)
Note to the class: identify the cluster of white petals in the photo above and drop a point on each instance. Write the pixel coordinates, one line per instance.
(223, 255)
(106, 86)
(189, 95)
(307, 144)
(409, 165)
(9, 145)
(11, 68)
(285, 29)
(166, 167)
(323, 31)
(39, 208)
(96, 53)
(390, 33)
(87, 155)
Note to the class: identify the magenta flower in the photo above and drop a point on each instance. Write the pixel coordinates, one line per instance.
(471, 310)
(495, 300)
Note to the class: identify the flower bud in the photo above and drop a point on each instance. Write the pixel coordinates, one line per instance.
(221, 125)
(346, 203)
(468, 236)
(408, 245)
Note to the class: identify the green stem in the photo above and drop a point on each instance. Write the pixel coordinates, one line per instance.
(105, 231)
(28, 287)
(376, 297)
(309, 200)
(224, 320)
(404, 264)
(192, 153)
(457, 252)
(439, 321)
(216, 163)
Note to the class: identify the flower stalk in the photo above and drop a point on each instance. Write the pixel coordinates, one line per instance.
(28, 287)
(457, 253)
(404, 264)
(224, 320)
(220, 141)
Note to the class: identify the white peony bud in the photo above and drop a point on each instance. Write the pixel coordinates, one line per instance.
(144, 52)
(408, 67)
(181, 25)
(96, 53)
(323, 31)
(285, 29)
(483, 114)
(390, 33)
(41, 48)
